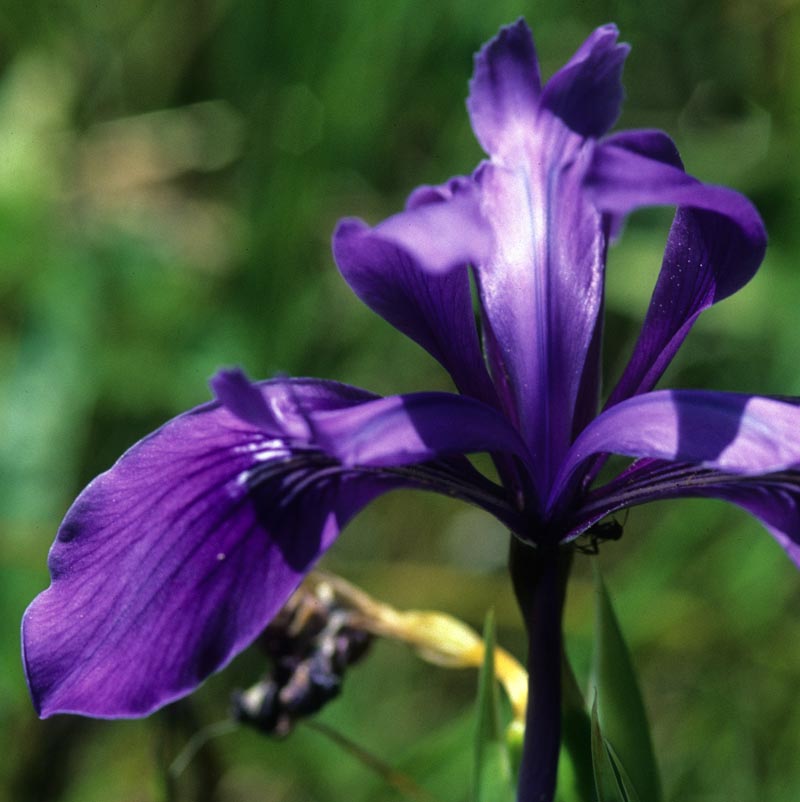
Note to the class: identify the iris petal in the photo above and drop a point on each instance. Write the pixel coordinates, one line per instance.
(730, 432)
(407, 429)
(774, 499)
(174, 560)
(541, 293)
(586, 93)
(442, 229)
(504, 90)
(541, 288)
(715, 245)
(434, 309)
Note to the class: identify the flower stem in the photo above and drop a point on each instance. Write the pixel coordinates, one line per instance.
(539, 575)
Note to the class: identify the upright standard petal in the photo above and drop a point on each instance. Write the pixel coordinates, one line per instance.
(442, 228)
(541, 293)
(541, 287)
(586, 94)
(504, 90)
(715, 245)
(434, 309)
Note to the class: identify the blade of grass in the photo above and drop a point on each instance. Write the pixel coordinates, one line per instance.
(620, 708)
(492, 780)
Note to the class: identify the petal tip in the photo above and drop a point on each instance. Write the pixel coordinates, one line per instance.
(234, 390)
(346, 227)
(504, 88)
(225, 377)
(586, 94)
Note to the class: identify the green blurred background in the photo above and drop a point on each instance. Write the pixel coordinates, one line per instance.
(170, 174)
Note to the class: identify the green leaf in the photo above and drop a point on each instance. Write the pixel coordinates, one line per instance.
(492, 778)
(612, 782)
(605, 778)
(620, 709)
(575, 767)
(623, 778)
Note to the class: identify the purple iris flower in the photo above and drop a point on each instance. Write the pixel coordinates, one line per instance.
(174, 560)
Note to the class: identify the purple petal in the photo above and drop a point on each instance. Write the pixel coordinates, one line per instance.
(244, 399)
(504, 90)
(774, 499)
(650, 143)
(737, 434)
(586, 94)
(715, 246)
(407, 429)
(435, 310)
(622, 179)
(174, 560)
(541, 293)
(541, 288)
(442, 229)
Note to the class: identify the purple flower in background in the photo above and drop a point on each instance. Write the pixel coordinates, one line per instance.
(173, 561)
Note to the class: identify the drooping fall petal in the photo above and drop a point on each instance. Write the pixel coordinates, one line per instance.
(174, 560)
(772, 498)
(731, 432)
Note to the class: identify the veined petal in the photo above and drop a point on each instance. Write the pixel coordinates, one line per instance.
(408, 429)
(774, 499)
(268, 412)
(174, 560)
(586, 94)
(504, 90)
(738, 434)
(541, 288)
(715, 246)
(541, 293)
(434, 309)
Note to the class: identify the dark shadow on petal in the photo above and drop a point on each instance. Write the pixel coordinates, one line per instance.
(708, 428)
(294, 528)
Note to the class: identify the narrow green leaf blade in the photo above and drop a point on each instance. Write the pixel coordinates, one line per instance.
(492, 780)
(623, 778)
(621, 712)
(605, 779)
(576, 731)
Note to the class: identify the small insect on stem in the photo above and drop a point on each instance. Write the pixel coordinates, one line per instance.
(611, 529)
